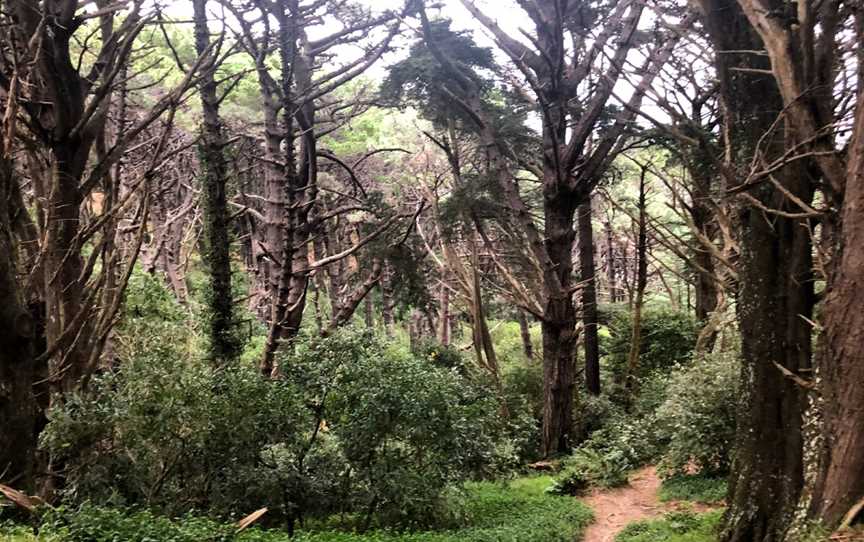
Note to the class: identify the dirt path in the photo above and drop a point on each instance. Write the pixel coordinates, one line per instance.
(615, 508)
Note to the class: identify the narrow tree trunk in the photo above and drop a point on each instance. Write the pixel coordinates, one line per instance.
(589, 299)
(611, 275)
(369, 312)
(444, 315)
(525, 334)
(641, 283)
(223, 341)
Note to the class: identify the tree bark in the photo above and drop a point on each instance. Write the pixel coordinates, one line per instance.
(641, 283)
(18, 408)
(525, 334)
(611, 274)
(590, 321)
(559, 330)
(841, 482)
(774, 298)
(224, 345)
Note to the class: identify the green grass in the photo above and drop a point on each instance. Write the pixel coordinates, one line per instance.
(694, 488)
(518, 511)
(674, 527)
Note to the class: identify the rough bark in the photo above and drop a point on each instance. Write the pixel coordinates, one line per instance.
(224, 345)
(590, 322)
(775, 295)
(18, 408)
(841, 484)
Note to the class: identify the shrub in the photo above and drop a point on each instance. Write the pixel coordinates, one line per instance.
(516, 512)
(698, 416)
(352, 427)
(674, 527)
(588, 468)
(667, 341)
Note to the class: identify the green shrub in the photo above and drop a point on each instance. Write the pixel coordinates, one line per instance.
(353, 428)
(667, 341)
(674, 527)
(515, 512)
(698, 416)
(588, 468)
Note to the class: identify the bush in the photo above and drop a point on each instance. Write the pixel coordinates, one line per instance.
(674, 527)
(698, 416)
(515, 512)
(588, 468)
(667, 341)
(353, 427)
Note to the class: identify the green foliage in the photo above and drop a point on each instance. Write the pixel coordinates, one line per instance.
(418, 78)
(696, 488)
(518, 511)
(674, 527)
(353, 427)
(667, 341)
(588, 468)
(697, 418)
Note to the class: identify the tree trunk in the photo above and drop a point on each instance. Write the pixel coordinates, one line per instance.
(775, 295)
(841, 482)
(559, 330)
(18, 409)
(590, 322)
(525, 334)
(223, 340)
(611, 275)
(641, 283)
(388, 304)
(444, 315)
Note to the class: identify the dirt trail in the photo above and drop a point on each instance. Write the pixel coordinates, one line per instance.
(615, 508)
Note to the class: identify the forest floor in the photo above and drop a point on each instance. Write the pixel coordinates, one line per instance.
(639, 500)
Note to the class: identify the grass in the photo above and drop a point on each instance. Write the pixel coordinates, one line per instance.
(518, 511)
(695, 488)
(674, 527)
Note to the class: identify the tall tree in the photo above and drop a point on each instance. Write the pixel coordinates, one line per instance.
(588, 293)
(775, 295)
(214, 178)
(570, 79)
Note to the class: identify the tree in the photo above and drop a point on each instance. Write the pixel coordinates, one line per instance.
(214, 178)
(775, 295)
(571, 94)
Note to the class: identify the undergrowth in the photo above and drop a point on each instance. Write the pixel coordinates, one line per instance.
(696, 488)
(674, 527)
(518, 511)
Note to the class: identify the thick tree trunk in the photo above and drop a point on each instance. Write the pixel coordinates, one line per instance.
(559, 329)
(18, 408)
(217, 252)
(775, 295)
(841, 483)
(590, 322)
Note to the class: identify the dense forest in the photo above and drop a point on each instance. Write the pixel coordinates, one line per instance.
(432, 271)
